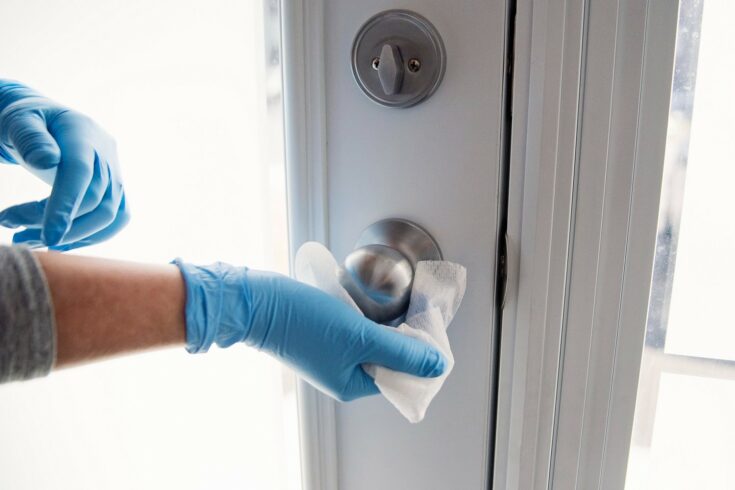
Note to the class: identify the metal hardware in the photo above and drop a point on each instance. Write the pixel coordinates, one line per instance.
(390, 69)
(378, 274)
(503, 259)
(406, 51)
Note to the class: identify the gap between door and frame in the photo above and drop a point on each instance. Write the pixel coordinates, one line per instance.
(503, 245)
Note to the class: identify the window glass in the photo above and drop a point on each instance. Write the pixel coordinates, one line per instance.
(683, 430)
(191, 91)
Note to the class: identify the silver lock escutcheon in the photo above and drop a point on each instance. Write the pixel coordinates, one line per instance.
(398, 58)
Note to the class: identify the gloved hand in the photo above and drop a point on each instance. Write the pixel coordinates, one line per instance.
(323, 339)
(71, 153)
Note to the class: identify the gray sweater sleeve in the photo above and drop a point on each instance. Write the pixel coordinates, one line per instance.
(27, 330)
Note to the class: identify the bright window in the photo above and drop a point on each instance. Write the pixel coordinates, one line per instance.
(191, 91)
(684, 430)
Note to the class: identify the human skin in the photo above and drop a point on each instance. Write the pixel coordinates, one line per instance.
(106, 307)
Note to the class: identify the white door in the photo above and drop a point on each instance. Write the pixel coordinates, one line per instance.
(353, 162)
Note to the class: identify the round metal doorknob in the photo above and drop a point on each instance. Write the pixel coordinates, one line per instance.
(378, 274)
(379, 279)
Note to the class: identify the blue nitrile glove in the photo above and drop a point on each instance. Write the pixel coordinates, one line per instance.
(70, 152)
(323, 339)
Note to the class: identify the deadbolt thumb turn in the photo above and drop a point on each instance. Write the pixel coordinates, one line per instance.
(398, 58)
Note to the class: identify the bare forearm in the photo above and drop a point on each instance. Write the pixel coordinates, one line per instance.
(104, 307)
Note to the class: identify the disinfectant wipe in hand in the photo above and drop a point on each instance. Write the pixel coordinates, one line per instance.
(438, 288)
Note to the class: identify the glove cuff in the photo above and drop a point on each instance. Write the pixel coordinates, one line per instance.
(217, 305)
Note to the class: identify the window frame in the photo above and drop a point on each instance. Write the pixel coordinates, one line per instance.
(591, 99)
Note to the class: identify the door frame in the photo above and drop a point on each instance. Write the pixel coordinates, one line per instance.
(591, 91)
(302, 46)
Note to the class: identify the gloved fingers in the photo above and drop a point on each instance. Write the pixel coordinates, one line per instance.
(28, 214)
(97, 192)
(102, 202)
(28, 134)
(6, 157)
(121, 219)
(402, 353)
(94, 221)
(30, 237)
(359, 385)
(87, 230)
(73, 178)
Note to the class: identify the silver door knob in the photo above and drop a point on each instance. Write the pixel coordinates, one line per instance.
(379, 273)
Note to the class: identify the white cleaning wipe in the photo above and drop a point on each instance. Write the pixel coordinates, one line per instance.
(438, 288)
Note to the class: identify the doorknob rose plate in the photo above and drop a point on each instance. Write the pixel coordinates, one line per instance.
(414, 58)
(405, 236)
